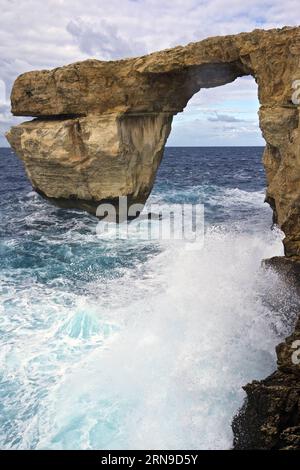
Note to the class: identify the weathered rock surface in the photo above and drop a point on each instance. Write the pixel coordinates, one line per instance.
(101, 127)
(82, 161)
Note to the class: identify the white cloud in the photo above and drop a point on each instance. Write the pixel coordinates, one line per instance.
(98, 38)
(200, 132)
(38, 34)
(220, 116)
(216, 117)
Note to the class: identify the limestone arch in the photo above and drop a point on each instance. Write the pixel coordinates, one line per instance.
(101, 127)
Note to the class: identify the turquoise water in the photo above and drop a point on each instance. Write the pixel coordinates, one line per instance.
(121, 344)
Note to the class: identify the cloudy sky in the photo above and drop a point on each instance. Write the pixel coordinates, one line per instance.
(37, 34)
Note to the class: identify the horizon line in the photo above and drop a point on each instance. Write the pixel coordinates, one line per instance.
(187, 146)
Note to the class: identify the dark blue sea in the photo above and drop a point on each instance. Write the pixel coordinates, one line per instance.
(125, 344)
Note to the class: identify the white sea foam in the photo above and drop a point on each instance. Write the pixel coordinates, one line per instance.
(154, 359)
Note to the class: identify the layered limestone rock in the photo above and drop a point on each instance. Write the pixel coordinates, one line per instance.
(80, 162)
(101, 127)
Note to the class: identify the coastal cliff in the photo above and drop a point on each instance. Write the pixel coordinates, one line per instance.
(99, 133)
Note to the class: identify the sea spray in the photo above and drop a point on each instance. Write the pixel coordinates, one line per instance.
(170, 374)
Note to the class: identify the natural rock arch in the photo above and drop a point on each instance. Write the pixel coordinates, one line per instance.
(101, 127)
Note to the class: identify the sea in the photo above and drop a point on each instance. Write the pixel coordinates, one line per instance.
(120, 343)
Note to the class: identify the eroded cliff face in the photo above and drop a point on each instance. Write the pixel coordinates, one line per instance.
(80, 162)
(101, 127)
